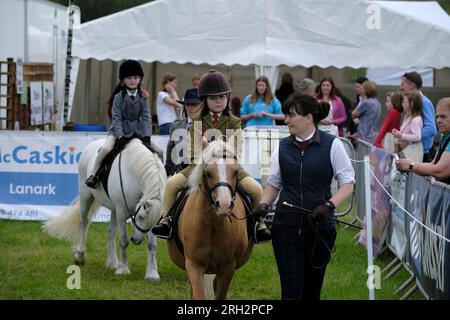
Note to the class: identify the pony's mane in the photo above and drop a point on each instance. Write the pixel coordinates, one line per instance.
(215, 151)
(147, 167)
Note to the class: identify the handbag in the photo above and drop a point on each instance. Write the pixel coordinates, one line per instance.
(413, 152)
(389, 144)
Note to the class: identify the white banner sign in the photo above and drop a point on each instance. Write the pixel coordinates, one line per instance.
(36, 103)
(39, 172)
(48, 100)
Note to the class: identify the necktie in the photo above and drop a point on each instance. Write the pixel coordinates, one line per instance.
(303, 144)
(132, 98)
(215, 120)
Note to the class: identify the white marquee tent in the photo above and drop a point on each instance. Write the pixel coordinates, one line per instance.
(321, 33)
(267, 34)
(428, 11)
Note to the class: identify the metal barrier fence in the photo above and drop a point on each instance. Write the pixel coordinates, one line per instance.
(418, 225)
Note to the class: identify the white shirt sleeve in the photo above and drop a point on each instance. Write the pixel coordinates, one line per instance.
(342, 167)
(274, 171)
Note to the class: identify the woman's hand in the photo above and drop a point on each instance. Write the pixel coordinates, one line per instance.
(396, 133)
(402, 165)
(326, 122)
(168, 87)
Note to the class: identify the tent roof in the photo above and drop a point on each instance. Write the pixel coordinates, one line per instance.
(266, 32)
(426, 11)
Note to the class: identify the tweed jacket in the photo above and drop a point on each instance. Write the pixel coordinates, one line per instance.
(230, 122)
(130, 118)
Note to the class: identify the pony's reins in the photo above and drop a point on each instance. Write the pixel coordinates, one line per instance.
(286, 204)
(133, 217)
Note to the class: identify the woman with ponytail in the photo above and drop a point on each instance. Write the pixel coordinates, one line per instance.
(301, 171)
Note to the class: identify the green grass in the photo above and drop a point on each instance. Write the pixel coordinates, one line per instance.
(33, 266)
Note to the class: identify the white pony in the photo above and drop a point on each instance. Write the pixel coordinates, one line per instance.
(135, 188)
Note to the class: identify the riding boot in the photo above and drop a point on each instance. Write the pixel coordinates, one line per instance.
(92, 181)
(164, 228)
(262, 233)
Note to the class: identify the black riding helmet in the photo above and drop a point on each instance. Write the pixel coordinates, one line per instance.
(130, 68)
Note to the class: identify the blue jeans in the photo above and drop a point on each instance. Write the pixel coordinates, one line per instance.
(164, 129)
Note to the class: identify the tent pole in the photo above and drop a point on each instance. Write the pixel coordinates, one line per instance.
(154, 90)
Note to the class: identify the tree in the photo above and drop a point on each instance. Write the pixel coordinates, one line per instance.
(93, 9)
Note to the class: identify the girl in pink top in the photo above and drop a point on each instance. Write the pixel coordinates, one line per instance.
(411, 128)
(337, 114)
(394, 108)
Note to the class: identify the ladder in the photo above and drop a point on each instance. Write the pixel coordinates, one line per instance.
(7, 94)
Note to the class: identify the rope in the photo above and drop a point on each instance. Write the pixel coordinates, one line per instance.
(400, 206)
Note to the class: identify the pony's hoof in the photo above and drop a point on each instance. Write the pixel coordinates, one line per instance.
(111, 265)
(122, 271)
(152, 278)
(79, 259)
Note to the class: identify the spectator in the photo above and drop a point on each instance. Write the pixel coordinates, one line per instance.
(196, 79)
(410, 130)
(307, 86)
(412, 82)
(166, 103)
(368, 112)
(392, 120)
(348, 111)
(358, 89)
(285, 90)
(336, 118)
(440, 167)
(236, 107)
(261, 108)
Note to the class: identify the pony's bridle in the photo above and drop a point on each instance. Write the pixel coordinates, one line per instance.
(133, 217)
(209, 189)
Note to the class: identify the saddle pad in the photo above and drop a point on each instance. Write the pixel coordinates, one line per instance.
(105, 167)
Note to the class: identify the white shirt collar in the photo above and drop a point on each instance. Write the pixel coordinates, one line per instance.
(307, 138)
(218, 114)
(132, 94)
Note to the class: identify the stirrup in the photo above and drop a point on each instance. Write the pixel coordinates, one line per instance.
(266, 236)
(161, 228)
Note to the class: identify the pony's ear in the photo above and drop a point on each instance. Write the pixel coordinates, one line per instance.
(232, 141)
(205, 142)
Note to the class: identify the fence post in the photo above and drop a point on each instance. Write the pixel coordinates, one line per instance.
(368, 206)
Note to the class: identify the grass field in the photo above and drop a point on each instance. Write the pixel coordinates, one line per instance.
(33, 266)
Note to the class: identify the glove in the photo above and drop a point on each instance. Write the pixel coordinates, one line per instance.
(260, 210)
(323, 211)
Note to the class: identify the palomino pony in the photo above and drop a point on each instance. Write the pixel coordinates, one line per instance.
(135, 185)
(212, 226)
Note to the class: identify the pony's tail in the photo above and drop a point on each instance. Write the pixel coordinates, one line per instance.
(208, 286)
(67, 225)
